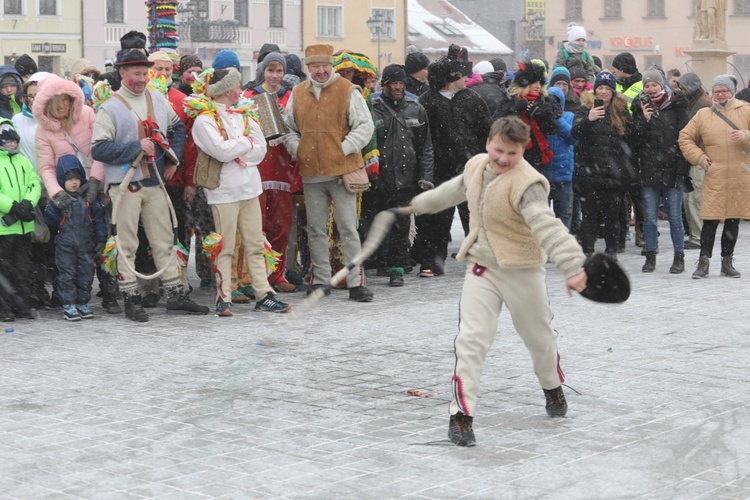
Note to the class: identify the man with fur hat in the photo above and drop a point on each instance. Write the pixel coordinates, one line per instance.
(416, 71)
(459, 124)
(330, 124)
(406, 162)
(120, 140)
(573, 52)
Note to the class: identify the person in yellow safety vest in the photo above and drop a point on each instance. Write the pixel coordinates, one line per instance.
(629, 82)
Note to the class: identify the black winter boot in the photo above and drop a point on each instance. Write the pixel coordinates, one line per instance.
(556, 406)
(702, 270)
(134, 311)
(178, 301)
(650, 264)
(678, 264)
(461, 430)
(727, 269)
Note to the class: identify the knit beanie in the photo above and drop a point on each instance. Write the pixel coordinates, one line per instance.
(653, 75)
(25, 65)
(606, 78)
(226, 59)
(559, 73)
(499, 65)
(294, 65)
(393, 73)
(222, 81)
(575, 32)
(625, 62)
(483, 67)
(416, 61)
(266, 49)
(268, 59)
(577, 71)
(725, 81)
(190, 61)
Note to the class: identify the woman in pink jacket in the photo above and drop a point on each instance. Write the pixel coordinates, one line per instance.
(64, 127)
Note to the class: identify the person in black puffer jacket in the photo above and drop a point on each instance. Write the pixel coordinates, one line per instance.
(492, 90)
(459, 124)
(603, 167)
(529, 101)
(658, 116)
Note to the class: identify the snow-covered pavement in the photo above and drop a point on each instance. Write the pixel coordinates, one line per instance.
(350, 400)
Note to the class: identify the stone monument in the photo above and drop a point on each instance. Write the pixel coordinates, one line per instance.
(709, 52)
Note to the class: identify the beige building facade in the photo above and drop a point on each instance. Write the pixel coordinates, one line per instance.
(343, 24)
(47, 30)
(654, 31)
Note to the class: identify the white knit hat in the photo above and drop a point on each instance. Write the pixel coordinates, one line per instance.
(575, 32)
(483, 67)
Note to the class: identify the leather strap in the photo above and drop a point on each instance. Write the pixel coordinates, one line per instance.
(141, 126)
(720, 115)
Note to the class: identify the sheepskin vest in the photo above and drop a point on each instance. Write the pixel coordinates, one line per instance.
(510, 238)
(323, 125)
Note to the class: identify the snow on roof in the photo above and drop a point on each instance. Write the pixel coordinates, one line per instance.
(435, 24)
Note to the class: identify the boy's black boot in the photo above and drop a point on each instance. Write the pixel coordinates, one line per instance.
(650, 264)
(109, 301)
(134, 311)
(678, 264)
(556, 404)
(178, 301)
(461, 431)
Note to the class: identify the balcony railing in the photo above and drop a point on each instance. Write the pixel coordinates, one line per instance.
(212, 31)
(113, 32)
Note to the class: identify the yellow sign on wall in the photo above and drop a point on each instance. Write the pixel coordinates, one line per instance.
(534, 26)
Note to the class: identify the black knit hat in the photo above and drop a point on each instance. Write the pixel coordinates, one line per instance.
(133, 40)
(605, 280)
(625, 62)
(416, 61)
(499, 65)
(393, 73)
(25, 65)
(529, 73)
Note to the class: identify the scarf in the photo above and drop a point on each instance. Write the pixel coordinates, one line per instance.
(536, 132)
(575, 48)
(660, 99)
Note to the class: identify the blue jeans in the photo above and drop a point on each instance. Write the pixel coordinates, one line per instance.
(559, 195)
(673, 206)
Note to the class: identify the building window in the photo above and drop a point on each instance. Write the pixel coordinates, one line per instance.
(241, 12)
(115, 11)
(389, 30)
(573, 9)
(656, 8)
(48, 8)
(612, 8)
(446, 29)
(330, 21)
(651, 61)
(276, 13)
(13, 7)
(742, 7)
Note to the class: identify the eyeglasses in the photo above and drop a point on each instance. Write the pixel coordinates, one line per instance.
(717, 92)
(29, 97)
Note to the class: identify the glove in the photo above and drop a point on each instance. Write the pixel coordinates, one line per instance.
(15, 210)
(63, 201)
(521, 105)
(92, 193)
(26, 211)
(99, 247)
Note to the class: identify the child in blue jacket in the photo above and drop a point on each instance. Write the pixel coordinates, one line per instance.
(559, 171)
(81, 237)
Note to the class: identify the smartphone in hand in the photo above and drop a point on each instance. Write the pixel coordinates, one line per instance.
(598, 103)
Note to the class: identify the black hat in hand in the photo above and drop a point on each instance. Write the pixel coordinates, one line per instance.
(605, 280)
